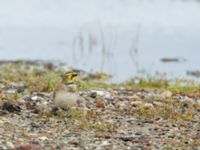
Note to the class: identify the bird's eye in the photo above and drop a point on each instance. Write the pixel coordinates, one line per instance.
(75, 74)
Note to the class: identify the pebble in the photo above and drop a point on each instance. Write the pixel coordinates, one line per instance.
(20, 90)
(171, 136)
(159, 104)
(138, 133)
(10, 107)
(126, 138)
(100, 104)
(20, 101)
(11, 91)
(35, 98)
(104, 94)
(104, 143)
(31, 146)
(166, 94)
(43, 138)
(188, 100)
(148, 105)
(93, 95)
(136, 103)
(10, 145)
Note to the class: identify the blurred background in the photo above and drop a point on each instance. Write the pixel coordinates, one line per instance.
(121, 37)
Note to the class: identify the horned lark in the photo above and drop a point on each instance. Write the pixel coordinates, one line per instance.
(65, 95)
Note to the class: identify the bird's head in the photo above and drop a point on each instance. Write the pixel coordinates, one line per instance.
(70, 77)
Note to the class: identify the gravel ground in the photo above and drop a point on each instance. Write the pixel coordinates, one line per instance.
(102, 120)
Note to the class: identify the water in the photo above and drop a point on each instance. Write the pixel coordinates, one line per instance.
(116, 36)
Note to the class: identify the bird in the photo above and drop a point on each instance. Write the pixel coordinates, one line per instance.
(65, 95)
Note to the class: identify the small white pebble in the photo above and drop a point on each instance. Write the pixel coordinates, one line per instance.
(148, 105)
(34, 98)
(43, 138)
(10, 145)
(105, 143)
(166, 94)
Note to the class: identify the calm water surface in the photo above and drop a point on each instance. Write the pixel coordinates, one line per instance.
(117, 36)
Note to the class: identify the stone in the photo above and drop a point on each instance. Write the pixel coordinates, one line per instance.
(104, 94)
(93, 95)
(10, 107)
(126, 138)
(100, 103)
(43, 138)
(148, 105)
(10, 145)
(166, 94)
(136, 103)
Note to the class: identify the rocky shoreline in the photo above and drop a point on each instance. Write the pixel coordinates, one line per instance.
(118, 118)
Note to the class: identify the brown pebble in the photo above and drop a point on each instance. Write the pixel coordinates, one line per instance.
(29, 147)
(100, 104)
